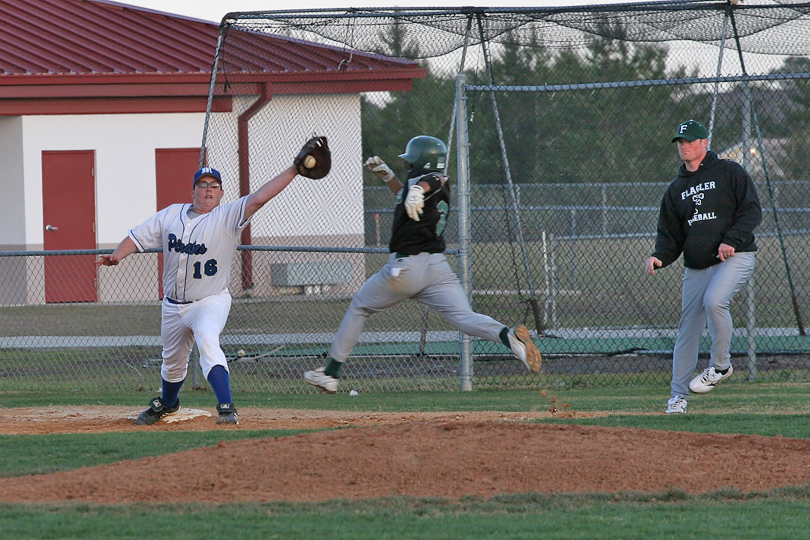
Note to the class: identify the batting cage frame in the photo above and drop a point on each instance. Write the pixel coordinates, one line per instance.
(558, 121)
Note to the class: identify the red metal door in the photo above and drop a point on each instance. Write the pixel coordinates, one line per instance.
(175, 168)
(69, 222)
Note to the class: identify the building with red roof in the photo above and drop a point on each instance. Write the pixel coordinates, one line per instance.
(102, 112)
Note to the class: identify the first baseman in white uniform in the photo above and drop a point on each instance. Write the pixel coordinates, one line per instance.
(199, 242)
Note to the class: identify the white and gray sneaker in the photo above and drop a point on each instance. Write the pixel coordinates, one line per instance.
(520, 341)
(676, 405)
(706, 381)
(325, 382)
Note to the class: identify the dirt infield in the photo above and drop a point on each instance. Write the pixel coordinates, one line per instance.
(388, 454)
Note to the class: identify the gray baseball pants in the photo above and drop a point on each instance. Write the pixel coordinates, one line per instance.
(426, 278)
(706, 297)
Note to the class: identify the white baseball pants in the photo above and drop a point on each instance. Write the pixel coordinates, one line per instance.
(183, 324)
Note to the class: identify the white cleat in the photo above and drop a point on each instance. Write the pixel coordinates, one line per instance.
(325, 382)
(676, 405)
(706, 381)
(526, 351)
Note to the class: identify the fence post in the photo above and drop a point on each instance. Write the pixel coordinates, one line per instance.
(196, 369)
(462, 165)
(750, 317)
(751, 326)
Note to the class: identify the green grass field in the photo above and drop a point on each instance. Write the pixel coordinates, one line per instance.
(765, 409)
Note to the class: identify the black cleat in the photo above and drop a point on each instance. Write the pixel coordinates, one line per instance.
(157, 410)
(227, 414)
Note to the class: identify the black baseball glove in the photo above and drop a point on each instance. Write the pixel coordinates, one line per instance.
(315, 159)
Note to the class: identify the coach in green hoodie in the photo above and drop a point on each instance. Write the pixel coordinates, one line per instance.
(708, 213)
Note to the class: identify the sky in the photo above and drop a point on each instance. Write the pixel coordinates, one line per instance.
(214, 10)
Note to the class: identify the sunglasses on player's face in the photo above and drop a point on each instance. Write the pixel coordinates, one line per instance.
(203, 184)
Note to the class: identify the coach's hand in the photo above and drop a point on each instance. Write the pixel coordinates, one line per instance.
(651, 264)
(725, 251)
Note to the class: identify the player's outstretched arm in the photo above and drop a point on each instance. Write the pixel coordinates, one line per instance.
(125, 248)
(382, 171)
(270, 189)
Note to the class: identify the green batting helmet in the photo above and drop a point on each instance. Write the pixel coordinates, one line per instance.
(424, 152)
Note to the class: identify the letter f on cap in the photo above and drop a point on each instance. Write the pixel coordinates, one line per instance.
(690, 131)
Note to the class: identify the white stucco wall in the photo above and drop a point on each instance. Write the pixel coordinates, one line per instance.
(12, 181)
(124, 146)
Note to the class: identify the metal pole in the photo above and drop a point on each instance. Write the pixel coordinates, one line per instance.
(547, 277)
(426, 309)
(751, 325)
(508, 173)
(750, 317)
(462, 164)
(196, 370)
(796, 310)
(552, 248)
(747, 108)
(717, 81)
(213, 80)
(750, 107)
(461, 65)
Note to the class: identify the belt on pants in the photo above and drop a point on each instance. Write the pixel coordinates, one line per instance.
(177, 302)
(398, 255)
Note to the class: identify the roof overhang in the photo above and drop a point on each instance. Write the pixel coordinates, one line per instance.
(168, 93)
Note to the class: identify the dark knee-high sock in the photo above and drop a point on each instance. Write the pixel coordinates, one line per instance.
(504, 335)
(220, 382)
(169, 392)
(333, 368)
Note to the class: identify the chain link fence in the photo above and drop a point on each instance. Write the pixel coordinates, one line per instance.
(569, 115)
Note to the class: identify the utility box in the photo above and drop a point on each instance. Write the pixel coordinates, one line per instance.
(311, 277)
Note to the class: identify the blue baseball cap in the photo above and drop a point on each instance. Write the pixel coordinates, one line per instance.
(206, 171)
(691, 130)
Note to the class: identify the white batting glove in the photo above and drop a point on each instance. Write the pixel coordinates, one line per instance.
(415, 201)
(379, 168)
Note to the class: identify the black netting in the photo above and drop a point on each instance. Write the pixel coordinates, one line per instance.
(763, 27)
